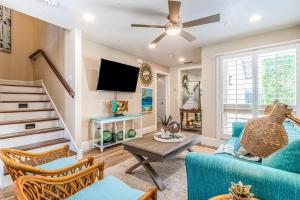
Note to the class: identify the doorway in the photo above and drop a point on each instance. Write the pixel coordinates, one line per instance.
(162, 97)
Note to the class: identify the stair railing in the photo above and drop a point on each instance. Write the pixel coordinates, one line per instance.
(54, 69)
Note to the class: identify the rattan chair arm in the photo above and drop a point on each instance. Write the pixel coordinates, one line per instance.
(31, 187)
(151, 194)
(43, 154)
(71, 169)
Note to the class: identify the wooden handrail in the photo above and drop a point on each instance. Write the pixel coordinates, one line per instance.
(56, 72)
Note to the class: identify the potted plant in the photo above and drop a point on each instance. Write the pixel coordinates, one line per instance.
(165, 123)
(239, 191)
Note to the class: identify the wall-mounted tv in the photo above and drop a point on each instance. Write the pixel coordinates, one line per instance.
(118, 77)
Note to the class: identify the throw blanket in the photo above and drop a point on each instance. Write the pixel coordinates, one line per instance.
(229, 149)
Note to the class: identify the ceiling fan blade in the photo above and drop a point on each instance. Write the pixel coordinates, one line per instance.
(201, 21)
(189, 37)
(159, 38)
(174, 10)
(147, 26)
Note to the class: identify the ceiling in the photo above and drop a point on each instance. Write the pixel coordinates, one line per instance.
(111, 26)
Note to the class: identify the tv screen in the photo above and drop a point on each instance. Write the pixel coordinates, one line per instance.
(119, 77)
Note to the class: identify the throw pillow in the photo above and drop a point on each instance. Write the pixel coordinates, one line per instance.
(238, 149)
(263, 136)
(287, 158)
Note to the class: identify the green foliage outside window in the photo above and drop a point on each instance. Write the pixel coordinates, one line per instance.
(278, 79)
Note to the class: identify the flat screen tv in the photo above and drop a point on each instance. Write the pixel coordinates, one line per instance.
(118, 77)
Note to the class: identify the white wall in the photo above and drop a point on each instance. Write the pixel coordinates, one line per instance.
(95, 103)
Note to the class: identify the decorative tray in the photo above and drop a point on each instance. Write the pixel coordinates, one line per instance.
(178, 137)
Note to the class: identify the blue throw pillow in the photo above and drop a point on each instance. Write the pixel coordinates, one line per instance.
(238, 149)
(287, 158)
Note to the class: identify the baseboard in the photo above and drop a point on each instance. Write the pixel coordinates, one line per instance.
(149, 129)
(87, 145)
(209, 141)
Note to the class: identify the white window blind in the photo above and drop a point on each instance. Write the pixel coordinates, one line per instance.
(254, 79)
(238, 90)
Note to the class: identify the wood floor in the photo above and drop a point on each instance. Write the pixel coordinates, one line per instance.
(111, 156)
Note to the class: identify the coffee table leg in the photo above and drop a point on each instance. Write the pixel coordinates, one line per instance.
(131, 169)
(155, 177)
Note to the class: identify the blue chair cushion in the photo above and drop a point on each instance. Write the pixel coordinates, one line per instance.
(287, 158)
(109, 188)
(59, 163)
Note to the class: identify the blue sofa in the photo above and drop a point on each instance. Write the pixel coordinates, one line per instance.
(211, 175)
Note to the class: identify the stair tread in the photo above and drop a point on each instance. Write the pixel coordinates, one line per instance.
(31, 132)
(29, 121)
(28, 110)
(39, 93)
(17, 85)
(37, 101)
(42, 144)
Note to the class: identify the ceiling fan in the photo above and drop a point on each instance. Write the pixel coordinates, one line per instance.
(175, 27)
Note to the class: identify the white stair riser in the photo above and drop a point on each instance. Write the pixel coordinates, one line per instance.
(26, 115)
(19, 89)
(30, 139)
(22, 97)
(15, 106)
(12, 128)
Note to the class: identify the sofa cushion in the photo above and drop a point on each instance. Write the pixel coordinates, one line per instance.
(237, 128)
(287, 158)
(109, 188)
(59, 163)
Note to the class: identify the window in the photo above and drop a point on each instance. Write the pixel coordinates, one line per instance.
(252, 80)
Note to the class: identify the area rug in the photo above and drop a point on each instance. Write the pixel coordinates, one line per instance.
(172, 173)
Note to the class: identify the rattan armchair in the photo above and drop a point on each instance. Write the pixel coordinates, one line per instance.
(47, 188)
(19, 163)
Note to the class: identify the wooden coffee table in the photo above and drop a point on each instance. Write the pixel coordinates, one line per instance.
(147, 150)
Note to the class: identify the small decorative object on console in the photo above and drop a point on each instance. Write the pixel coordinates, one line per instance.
(131, 133)
(119, 136)
(118, 107)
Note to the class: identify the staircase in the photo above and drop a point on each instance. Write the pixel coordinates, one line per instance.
(29, 120)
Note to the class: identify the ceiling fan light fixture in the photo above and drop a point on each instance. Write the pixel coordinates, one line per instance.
(173, 29)
(152, 46)
(181, 59)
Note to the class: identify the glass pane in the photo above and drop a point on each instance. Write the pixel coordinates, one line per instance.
(277, 77)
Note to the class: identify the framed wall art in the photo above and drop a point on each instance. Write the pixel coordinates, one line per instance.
(147, 100)
(5, 29)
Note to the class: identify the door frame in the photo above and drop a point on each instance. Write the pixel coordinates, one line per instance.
(168, 93)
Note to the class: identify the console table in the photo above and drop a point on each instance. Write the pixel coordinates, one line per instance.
(185, 113)
(97, 123)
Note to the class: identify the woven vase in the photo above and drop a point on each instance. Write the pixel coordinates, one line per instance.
(263, 136)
